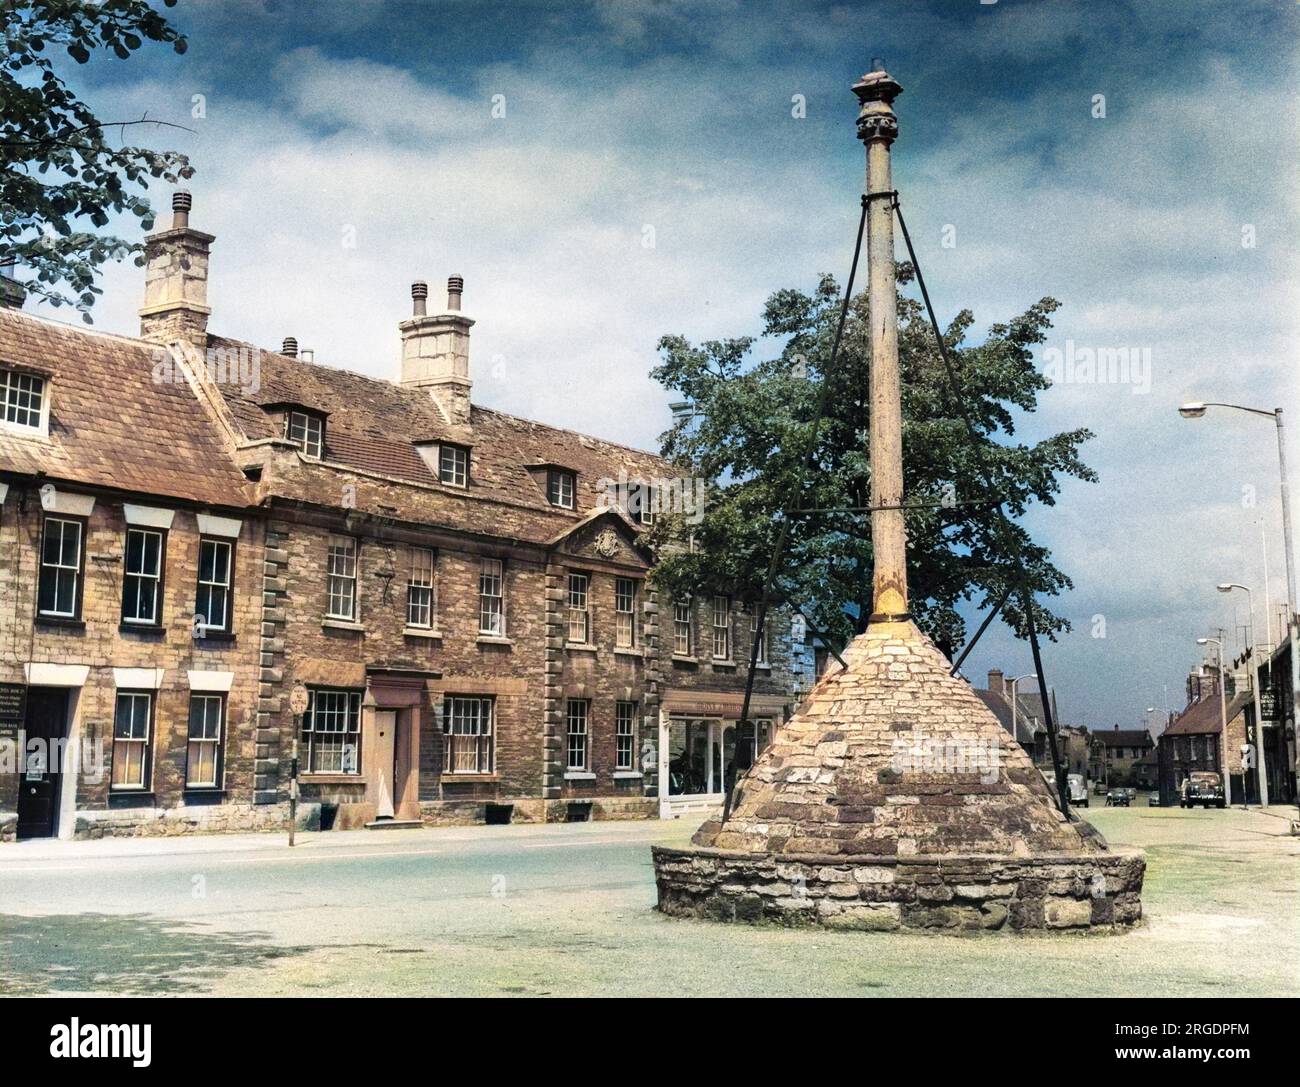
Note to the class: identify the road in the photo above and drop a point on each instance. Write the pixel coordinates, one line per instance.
(567, 910)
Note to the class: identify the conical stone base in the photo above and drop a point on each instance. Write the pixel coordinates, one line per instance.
(894, 798)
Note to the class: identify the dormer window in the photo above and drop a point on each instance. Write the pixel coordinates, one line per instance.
(453, 465)
(641, 502)
(307, 432)
(22, 400)
(560, 487)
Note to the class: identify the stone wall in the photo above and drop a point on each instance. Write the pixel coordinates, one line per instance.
(100, 641)
(208, 819)
(949, 894)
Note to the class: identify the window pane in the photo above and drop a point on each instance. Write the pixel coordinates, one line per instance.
(20, 398)
(491, 597)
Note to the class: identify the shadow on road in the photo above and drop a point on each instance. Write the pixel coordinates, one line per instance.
(130, 954)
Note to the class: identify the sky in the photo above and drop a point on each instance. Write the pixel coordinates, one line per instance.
(605, 173)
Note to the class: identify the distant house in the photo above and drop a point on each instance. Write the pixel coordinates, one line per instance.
(1192, 740)
(1116, 753)
(1030, 727)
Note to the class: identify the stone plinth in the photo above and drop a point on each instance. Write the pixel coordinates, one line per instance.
(895, 800)
(951, 894)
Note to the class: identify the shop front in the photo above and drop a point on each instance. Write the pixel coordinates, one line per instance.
(703, 746)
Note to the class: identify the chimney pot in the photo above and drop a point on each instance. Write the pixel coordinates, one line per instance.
(455, 286)
(182, 201)
(289, 347)
(420, 294)
(307, 354)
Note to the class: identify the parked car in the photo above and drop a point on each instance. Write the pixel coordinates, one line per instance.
(1099, 789)
(1203, 787)
(1078, 789)
(1119, 798)
(1153, 799)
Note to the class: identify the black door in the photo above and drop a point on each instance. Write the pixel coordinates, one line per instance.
(40, 761)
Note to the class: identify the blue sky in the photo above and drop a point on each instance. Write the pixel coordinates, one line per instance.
(348, 147)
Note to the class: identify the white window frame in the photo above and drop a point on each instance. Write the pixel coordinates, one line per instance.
(492, 597)
(60, 570)
(332, 712)
(17, 390)
(762, 641)
(453, 465)
(307, 432)
(683, 626)
(625, 595)
(577, 745)
(579, 628)
(472, 718)
(207, 739)
(341, 581)
(136, 739)
(143, 577)
(625, 719)
(226, 586)
(561, 488)
(422, 589)
(722, 630)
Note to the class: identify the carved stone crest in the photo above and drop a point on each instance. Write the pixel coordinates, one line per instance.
(606, 543)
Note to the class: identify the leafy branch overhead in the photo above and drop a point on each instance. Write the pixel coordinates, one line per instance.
(65, 171)
(749, 432)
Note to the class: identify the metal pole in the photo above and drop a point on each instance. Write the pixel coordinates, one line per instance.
(1293, 624)
(293, 777)
(1223, 731)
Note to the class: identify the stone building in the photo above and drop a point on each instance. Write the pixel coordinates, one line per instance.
(1117, 753)
(464, 593)
(1023, 717)
(115, 493)
(1192, 740)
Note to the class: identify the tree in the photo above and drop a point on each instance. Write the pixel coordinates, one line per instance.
(52, 226)
(749, 432)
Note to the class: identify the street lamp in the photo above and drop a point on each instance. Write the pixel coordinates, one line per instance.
(1223, 723)
(1196, 409)
(1014, 704)
(1260, 776)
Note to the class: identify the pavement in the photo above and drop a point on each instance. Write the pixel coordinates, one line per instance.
(567, 909)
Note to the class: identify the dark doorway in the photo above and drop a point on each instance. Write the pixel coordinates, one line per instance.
(41, 760)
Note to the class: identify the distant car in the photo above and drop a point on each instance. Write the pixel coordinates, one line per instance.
(1078, 789)
(1153, 799)
(1203, 787)
(1099, 789)
(1119, 798)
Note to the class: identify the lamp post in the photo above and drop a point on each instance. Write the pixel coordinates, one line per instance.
(1260, 776)
(1014, 703)
(1195, 410)
(1223, 723)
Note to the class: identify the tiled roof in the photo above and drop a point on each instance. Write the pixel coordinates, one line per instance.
(111, 423)
(1001, 708)
(1203, 717)
(373, 426)
(1123, 737)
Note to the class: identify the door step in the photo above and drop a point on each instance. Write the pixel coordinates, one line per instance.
(394, 824)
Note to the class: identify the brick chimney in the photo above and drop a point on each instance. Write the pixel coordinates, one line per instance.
(435, 351)
(12, 293)
(996, 685)
(176, 280)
